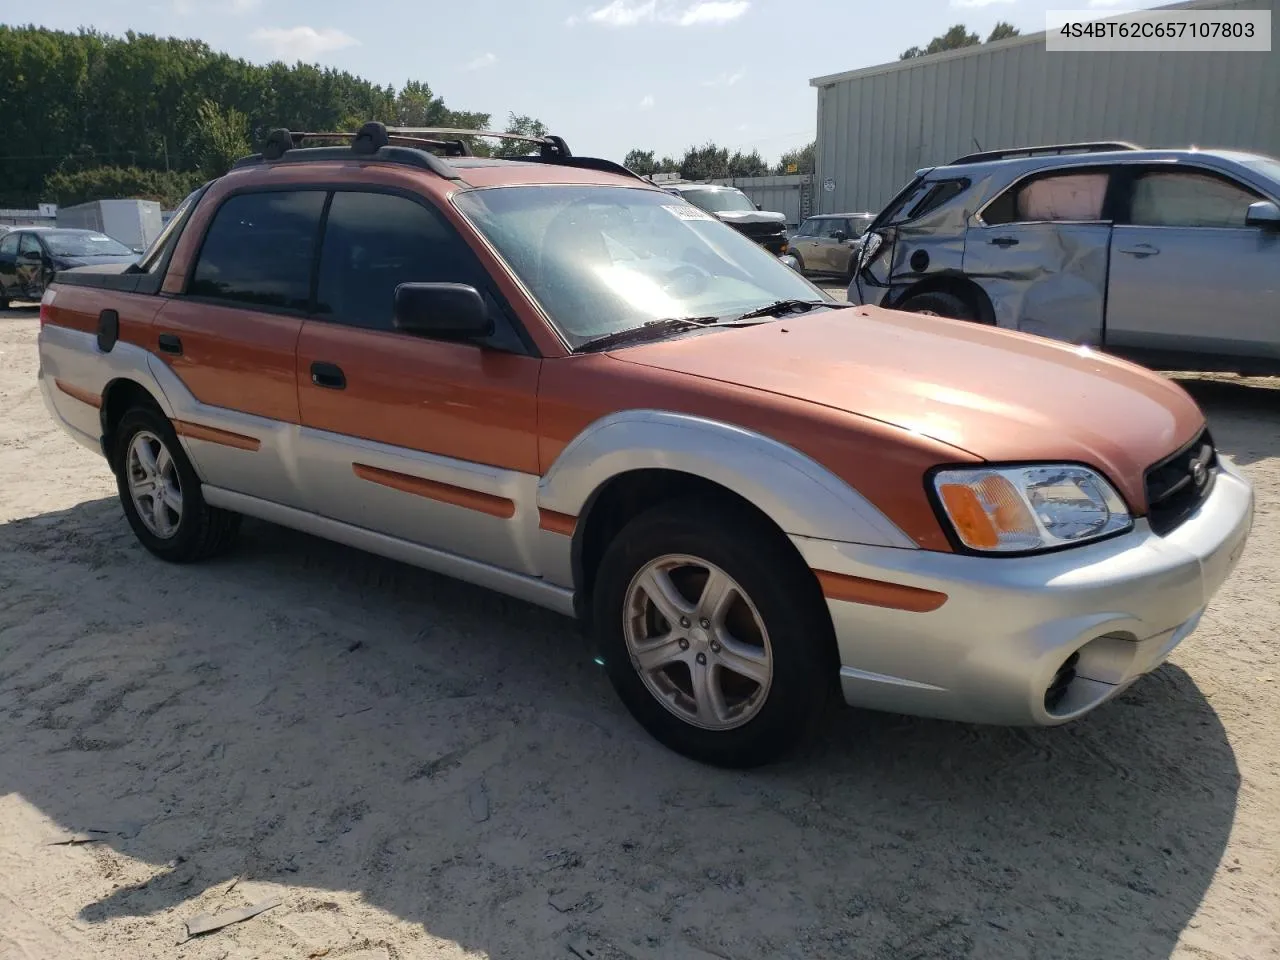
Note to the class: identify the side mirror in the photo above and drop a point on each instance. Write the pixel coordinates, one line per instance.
(839, 236)
(445, 311)
(1263, 214)
(758, 207)
(28, 256)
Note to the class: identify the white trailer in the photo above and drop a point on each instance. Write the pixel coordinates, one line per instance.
(135, 223)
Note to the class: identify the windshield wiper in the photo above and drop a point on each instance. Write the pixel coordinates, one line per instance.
(649, 330)
(779, 307)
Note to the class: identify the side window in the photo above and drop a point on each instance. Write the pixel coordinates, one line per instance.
(167, 239)
(1065, 197)
(259, 249)
(373, 242)
(809, 228)
(9, 244)
(833, 226)
(29, 244)
(938, 194)
(1184, 199)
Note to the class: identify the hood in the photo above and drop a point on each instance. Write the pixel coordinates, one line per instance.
(996, 394)
(734, 217)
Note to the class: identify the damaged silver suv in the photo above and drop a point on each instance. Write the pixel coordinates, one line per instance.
(1167, 257)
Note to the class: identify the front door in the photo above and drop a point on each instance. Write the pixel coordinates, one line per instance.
(429, 441)
(1188, 275)
(30, 267)
(9, 265)
(1039, 250)
(231, 337)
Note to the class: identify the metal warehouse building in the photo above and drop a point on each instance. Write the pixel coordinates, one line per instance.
(878, 125)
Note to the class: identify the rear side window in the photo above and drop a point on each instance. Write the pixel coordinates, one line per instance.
(1185, 199)
(167, 239)
(1057, 198)
(810, 228)
(259, 249)
(29, 244)
(373, 242)
(937, 194)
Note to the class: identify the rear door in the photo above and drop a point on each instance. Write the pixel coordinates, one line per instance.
(1040, 252)
(1188, 274)
(428, 441)
(805, 242)
(831, 250)
(30, 268)
(230, 336)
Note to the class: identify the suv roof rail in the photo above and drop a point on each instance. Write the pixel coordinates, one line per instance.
(411, 145)
(1087, 146)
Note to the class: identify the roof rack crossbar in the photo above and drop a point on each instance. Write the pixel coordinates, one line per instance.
(1088, 146)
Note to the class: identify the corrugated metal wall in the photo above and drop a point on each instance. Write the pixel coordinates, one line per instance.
(877, 126)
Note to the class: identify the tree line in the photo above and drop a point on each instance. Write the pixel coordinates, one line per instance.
(710, 162)
(958, 37)
(90, 116)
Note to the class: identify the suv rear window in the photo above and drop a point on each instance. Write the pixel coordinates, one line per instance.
(924, 196)
(259, 249)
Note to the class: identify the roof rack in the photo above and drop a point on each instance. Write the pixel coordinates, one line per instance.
(1089, 146)
(411, 145)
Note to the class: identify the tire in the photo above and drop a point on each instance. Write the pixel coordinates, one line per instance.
(939, 303)
(800, 267)
(184, 533)
(759, 720)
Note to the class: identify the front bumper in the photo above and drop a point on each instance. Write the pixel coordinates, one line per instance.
(992, 650)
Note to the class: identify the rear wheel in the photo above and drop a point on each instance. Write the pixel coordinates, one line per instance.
(161, 495)
(714, 638)
(939, 303)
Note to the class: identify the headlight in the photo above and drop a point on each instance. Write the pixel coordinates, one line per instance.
(1029, 508)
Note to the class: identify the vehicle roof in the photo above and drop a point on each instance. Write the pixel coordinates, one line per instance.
(1103, 156)
(825, 216)
(42, 229)
(700, 186)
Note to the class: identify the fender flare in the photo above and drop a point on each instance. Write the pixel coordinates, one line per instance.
(800, 495)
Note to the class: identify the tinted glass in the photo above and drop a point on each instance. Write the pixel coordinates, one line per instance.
(9, 244)
(259, 250)
(938, 194)
(1061, 198)
(1188, 200)
(834, 226)
(154, 254)
(373, 242)
(810, 228)
(28, 244)
(601, 259)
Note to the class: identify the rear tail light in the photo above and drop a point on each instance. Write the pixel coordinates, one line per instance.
(868, 248)
(46, 306)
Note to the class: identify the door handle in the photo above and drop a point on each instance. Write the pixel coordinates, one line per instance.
(171, 343)
(1004, 241)
(1140, 250)
(328, 375)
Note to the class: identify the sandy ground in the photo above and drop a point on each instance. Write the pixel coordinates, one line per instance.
(423, 769)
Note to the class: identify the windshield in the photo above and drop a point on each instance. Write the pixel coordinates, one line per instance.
(84, 245)
(720, 201)
(603, 259)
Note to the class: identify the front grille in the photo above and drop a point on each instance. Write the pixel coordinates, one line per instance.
(1177, 485)
(761, 231)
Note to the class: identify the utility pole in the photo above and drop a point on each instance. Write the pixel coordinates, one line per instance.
(164, 142)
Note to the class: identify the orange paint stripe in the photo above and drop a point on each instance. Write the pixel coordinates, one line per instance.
(84, 396)
(877, 593)
(195, 431)
(560, 523)
(433, 490)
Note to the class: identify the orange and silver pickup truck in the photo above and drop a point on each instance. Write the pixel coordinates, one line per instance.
(548, 377)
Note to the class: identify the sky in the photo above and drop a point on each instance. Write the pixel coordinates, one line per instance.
(607, 75)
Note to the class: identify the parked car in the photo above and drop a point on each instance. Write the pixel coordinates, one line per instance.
(547, 377)
(730, 205)
(29, 256)
(1169, 257)
(829, 244)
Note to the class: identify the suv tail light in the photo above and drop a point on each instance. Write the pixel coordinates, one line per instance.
(46, 302)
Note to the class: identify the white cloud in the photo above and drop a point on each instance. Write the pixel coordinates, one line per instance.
(725, 79)
(646, 102)
(713, 11)
(630, 13)
(482, 61)
(302, 43)
(978, 3)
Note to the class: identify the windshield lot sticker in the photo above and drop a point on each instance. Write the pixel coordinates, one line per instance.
(687, 211)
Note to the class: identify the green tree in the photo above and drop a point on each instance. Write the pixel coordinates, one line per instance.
(525, 127)
(705, 163)
(641, 162)
(219, 138)
(954, 39)
(108, 183)
(747, 164)
(1003, 31)
(801, 160)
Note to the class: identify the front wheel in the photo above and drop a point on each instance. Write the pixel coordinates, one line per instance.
(714, 637)
(161, 495)
(938, 303)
